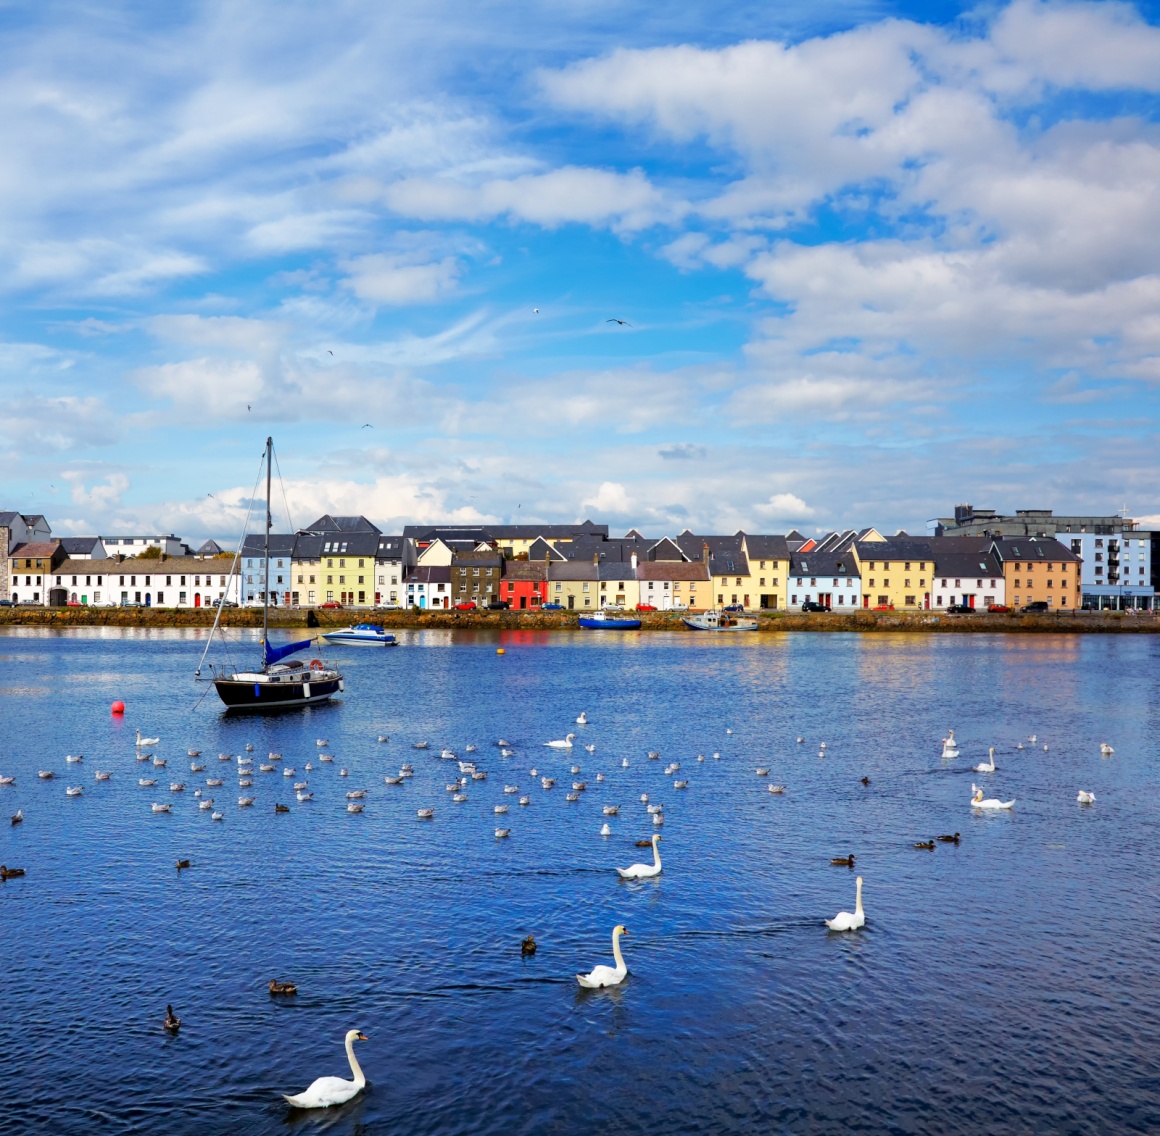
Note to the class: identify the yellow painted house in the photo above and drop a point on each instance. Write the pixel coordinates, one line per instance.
(895, 573)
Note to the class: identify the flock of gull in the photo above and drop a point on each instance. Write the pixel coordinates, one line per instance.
(328, 1091)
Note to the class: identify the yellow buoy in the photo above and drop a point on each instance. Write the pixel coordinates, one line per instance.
(499, 650)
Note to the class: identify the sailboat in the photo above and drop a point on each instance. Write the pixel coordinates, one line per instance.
(275, 684)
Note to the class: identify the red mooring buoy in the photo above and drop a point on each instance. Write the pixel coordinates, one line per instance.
(118, 707)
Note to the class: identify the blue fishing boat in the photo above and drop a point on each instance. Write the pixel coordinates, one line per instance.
(600, 621)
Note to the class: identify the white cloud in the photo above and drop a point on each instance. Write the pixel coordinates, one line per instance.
(568, 195)
(785, 507)
(610, 497)
(382, 279)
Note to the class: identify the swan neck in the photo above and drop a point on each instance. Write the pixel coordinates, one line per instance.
(355, 1067)
(616, 951)
(656, 853)
(858, 899)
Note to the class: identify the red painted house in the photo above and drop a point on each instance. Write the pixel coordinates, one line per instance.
(525, 584)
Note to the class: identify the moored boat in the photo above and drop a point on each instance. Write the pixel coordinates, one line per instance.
(600, 621)
(362, 634)
(720, 621)
(274, 685)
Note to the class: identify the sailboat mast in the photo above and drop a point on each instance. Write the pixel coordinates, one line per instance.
(266, 585)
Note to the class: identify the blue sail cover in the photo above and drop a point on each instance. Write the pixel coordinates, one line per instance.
(274, 654)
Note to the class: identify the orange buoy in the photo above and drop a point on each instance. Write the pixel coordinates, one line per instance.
(118, 707)
(499, 651)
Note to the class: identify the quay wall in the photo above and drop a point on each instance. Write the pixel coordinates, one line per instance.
(863, 621)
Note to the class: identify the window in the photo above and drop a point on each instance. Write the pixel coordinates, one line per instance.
(475, 571)
(908, 566)
(300, 577)
(799, 580)
(463, 571)
(885, 582)
(362, 580)
(958, 583)
(906, 582)
(360, 564)
(180, 597)
(382, 579)
(910, 601)
(585, 587)
(342, 563)
(310, 597)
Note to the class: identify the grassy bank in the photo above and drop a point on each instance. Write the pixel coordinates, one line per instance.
(867, 621)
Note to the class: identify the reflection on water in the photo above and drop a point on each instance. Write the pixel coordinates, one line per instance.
(1004, 984)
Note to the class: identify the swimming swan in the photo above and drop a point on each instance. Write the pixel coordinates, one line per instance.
(142, 742)
(1086, 798)
(844, 920)
(583, 719)
(601, 976)
(1106, 750)
(565, 744)
(327, 1091)
(985, 767)
(991, 803)
(644, 871)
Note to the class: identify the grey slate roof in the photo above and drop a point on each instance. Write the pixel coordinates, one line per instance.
(390, 547)
(330, 524)
(79, 545)
(726, 557)
(817, 563)
(429, 574)
(962, 564)
(281, 544)
(1032, 548)
(766, 547)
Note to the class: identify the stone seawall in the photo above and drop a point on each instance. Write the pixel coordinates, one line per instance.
(867, 621)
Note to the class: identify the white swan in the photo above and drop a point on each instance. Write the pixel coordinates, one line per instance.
(985, 767)
(583, 719)
(565, 744)
(142, 742)
(950, 748)
(644, 871)
(1086, 798)
(327, 1091)
(847, 921)
(600, 976)
(605, 830)
(1106, 750)
(590, 748)
(991, 803)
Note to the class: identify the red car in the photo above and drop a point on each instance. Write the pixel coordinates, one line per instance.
(332, 606)
(467, 605)
(645, 607)
(998, 608)
(884, 607)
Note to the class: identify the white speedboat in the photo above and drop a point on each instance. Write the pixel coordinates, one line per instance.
(362, 634)
(720, 621)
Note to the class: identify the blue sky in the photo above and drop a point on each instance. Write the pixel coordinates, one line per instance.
(877, 259)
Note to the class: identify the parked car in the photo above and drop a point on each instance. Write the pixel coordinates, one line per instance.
(223, 603)
(811, 605)
(331, 606)
(645, 607)
(997, 609)
(6, 603)
(884, 607)
(498, 605)
(552, 607)
(1038, 605)
(467, 605)
(734, 607)
(960, 609)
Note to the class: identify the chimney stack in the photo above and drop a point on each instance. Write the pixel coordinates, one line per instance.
(634, 563)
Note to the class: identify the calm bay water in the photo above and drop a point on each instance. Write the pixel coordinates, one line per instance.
(1007, 984)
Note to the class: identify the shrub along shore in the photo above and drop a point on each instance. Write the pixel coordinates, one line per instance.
(867, 621)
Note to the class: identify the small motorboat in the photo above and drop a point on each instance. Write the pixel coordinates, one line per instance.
(601, 621)
(362, 635)
(719, 621)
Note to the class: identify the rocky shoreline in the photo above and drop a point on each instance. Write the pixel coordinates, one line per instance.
(860, 621)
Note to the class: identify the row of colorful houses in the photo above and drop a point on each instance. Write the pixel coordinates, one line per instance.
(349, 562)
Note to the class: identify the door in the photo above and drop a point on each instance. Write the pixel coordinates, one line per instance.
(197, 599)
(571, 602)
(148, 599)
(523, 603)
